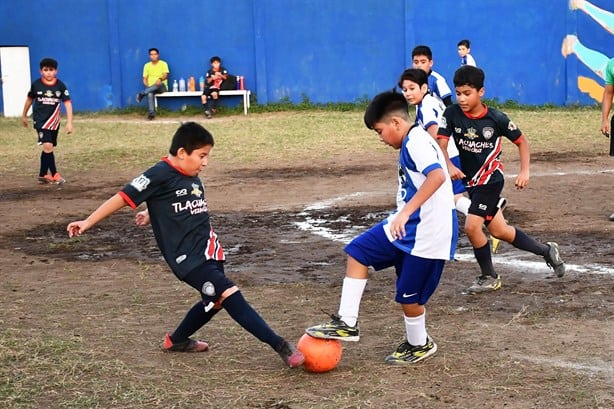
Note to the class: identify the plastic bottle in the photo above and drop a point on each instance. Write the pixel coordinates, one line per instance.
(201, 83)
(181, 85)
(238, 82)
(175, 86)
(191, 84)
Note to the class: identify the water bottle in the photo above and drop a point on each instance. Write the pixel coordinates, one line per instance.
(175, 86)
(181, 85)
(191, 84)
(238, 82)
(201, 83)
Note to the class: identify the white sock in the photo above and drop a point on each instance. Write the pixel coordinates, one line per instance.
(462, 205)
(351, 294)
(415, 327)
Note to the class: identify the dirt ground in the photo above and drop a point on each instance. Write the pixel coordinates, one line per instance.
(539, 342)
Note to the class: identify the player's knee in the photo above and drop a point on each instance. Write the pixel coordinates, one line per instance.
(227, 293)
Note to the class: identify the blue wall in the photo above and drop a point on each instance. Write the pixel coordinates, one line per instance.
(325, 50)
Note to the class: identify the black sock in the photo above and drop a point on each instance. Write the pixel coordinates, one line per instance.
(484, 259)
(248, 318)
(52, 168)
(527, 243)
(205, 106)
(213, 103)
(44, 164)
(192, 322)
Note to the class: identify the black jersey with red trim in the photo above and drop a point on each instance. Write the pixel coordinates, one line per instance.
(46, 101)
(479, 141)
(179, 216)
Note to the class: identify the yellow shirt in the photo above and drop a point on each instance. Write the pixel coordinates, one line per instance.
(153, 72)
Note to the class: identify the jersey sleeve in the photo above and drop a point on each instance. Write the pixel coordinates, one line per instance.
(445, 124)
(422, 151)
(431, 111)
(65, 94)
(508, 128)
(142, 187)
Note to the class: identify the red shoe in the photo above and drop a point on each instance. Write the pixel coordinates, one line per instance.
(57, 179)
(45, 180)
(188, 345)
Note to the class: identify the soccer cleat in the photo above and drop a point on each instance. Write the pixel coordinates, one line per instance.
(612, 217)
(151, 116)
(45, 180)
(553, 259)
(410, 354)
(335, 329)
(139, 97)
(290, 355)
(57, 179)
(494, 244)
(188, 345)
(483, 284)
(208, 114)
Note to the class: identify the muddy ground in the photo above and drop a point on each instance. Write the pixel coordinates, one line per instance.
(539, 342)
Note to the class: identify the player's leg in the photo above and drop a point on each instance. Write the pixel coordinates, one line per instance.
(214, 97)
(483, 207)
(519, 239)
(371, 248)
(205, 99)
(417, 280)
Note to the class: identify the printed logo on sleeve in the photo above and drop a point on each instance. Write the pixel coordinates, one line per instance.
(140, 183)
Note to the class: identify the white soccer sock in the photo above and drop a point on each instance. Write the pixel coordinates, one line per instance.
(462, 205)
(415, 327)
(351, 294)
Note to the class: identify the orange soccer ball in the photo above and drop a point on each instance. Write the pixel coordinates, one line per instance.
(321, 355)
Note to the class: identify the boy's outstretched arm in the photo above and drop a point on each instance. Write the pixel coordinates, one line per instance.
(455, 173)
(68, 106)
(434, 179)
(522, 180)
(106, 209)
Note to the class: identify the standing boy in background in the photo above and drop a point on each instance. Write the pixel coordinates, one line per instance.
(155, 79)
(214, 78)
(606, 106)
(179, 216)
(464, 50)
(416, 240)
(478, 131)
(422, 57)
(45, 96)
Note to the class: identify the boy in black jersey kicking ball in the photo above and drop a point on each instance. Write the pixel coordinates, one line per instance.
(478, 132)
(45, 96)
(178, 213)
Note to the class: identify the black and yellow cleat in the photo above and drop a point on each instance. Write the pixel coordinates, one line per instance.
(335, 329)
(410, 354)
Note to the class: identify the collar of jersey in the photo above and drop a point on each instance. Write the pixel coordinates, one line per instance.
(165, 159)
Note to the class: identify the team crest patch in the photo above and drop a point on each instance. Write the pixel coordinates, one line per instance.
(511, 126)
(488, 132)
(196, 190)
(140, 183)
(208, 289)
(58, 93)
(443, 122)
(471, 133)
(48, 93)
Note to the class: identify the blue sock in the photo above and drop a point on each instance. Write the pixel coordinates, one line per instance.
(248, 318)
(192, 322)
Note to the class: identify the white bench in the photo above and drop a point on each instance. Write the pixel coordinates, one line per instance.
(244, 92)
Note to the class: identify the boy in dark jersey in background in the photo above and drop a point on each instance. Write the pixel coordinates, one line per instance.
(45, 96)
(477, 131)
(178, 213)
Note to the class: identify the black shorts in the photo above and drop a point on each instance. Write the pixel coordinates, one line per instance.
(47, 136)
(209, 280)
(209, 90)
(484, 200)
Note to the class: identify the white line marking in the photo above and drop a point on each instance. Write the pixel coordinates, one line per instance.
(605, 368)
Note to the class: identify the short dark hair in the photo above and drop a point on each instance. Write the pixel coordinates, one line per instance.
(190, 136)
(422, 50)
(469, 75)
(215, 58)
(464, 42)
(414, 75)
(383, 105)
(48, 62)
(153, 49)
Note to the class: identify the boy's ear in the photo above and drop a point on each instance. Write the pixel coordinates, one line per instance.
(181, 153)
(481, 92)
